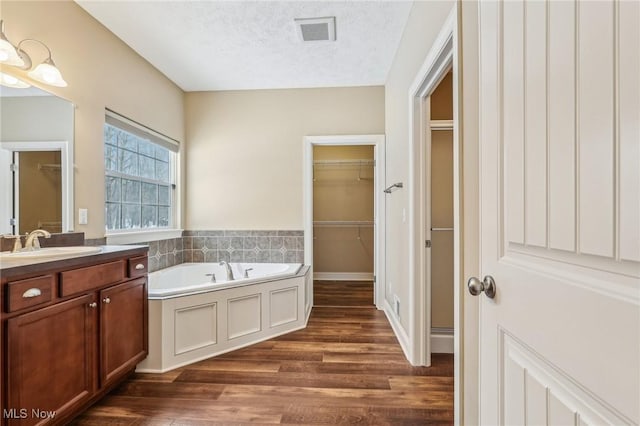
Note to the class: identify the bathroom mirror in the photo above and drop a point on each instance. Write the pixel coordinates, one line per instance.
(36, 161)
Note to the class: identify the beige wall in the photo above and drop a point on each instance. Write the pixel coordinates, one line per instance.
(102, 72)
(423, 26)
(343, 193)
(244, 150)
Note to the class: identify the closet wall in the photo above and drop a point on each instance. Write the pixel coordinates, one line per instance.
(343, 211)
(442, 208)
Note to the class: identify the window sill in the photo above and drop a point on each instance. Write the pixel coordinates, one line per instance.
(143, 236)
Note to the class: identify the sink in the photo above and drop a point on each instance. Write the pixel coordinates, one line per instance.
(44, 253)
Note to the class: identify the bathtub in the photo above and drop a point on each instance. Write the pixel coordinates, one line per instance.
(194, 278)
(192, 318)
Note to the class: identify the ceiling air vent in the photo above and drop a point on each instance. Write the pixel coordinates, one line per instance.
(317, 29)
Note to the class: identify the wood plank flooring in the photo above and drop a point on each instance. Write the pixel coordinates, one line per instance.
(343, 293)
(345, 368)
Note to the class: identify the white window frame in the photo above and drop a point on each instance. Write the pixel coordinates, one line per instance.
(140, 235)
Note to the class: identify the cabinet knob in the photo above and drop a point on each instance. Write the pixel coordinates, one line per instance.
(93, 305)
(106, 300)
(140, 266)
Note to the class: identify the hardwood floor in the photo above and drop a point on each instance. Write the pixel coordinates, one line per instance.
(343, 293)
(345, 368)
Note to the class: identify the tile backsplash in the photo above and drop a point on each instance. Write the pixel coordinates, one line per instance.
(244, 246)
(165, 253)
(232, 246)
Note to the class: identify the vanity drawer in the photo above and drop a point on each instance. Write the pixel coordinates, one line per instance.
(84, 279)
(30, 292)
(138, 266)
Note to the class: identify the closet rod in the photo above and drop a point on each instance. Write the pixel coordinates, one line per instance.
(442, 229)
(363, 162)
(49, 166)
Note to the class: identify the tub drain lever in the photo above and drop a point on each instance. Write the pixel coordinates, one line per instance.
(246, 272)
(213, 277)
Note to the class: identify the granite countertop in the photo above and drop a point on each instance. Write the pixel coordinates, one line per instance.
(14, 267)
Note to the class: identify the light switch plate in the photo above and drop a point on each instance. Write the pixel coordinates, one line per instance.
(83, 216)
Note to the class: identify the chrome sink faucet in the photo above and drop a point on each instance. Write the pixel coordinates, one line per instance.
(229, 271)
(32, 242)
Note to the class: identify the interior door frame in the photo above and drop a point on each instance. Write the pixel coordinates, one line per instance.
(378, 143)
(66, 169)
(444, 55)
(438, 62)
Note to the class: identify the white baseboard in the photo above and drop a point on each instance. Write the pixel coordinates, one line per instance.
(442, 341)
(403, 339)
(343, 276)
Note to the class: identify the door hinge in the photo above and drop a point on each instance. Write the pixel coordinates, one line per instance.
(13, 221)
(13, 167)
(374, 278)
(427, 243)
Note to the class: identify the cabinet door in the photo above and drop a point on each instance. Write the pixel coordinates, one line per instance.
(50, 361)
(123, 329)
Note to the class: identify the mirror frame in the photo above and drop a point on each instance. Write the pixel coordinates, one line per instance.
(66, 170)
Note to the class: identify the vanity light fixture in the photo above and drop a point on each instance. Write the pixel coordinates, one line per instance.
(46, 72)
(11, 81)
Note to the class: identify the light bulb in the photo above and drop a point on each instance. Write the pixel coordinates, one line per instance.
(47, 73)
(11, 81)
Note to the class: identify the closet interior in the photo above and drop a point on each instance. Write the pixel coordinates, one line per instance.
(38, 190)
(343, 222)
(441, 212)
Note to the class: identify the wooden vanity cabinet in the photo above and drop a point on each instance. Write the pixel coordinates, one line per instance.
(50, 360)
(69, 346)
(123, 328)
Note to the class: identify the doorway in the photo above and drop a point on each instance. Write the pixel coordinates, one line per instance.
(51, 164)
(343, 225)
(37, 191)
(349, 218)
(440, 216)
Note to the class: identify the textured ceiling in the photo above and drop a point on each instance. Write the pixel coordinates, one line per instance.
(229, 45)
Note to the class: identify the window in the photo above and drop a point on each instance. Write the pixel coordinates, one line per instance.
(139, 177)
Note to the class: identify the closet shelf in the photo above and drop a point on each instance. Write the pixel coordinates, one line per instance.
(441, 124)
(342, 223)
(344, 163)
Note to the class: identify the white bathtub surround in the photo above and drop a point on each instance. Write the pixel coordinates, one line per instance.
(209, 319)
(193, 278)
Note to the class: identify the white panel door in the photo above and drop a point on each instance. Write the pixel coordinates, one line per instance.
(560, 212)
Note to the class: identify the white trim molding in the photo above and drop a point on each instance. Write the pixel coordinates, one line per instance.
(66, 168)
(436, 65)
(398, 329)
(378, 142)
(442, 341)
(443, 56)
(143, 236)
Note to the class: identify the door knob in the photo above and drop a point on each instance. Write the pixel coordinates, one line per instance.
(488, 285)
